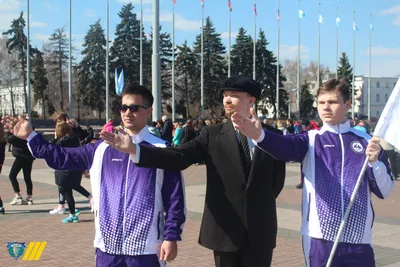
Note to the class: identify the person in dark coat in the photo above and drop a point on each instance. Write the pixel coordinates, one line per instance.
(23, 161)
(166, 133)
(67, 180)
(3, 143)
(239, 221)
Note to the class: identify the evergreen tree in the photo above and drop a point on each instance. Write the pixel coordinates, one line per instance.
(59, 53)
(40, 83)
(215, 68)
(186, 65)
(92, 69)
(125, 51)
(345, 71)
(17, 43)
(242, 54)
(266, 75)
(306, 101)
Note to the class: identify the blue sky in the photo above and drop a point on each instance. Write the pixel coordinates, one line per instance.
(47, 15)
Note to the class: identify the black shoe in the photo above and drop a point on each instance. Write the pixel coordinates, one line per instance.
(2, 210)
(299, 186)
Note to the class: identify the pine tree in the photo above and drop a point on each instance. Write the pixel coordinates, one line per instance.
(40, 83)
(266, 75)
(242, 54)
(186, 65)
(58, 49)
(17, 43)
(306, 101)
(215, 67)
(125, 51)
(345, 71)
(92, 69)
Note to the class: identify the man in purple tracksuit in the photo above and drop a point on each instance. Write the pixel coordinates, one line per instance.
(332, 159)
(129, 202)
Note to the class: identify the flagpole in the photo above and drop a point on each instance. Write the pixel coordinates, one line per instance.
(369, 68)
(70, 61)
(337, 41)
(107, 64)
(173, 60)
(202, 59)
(156, 80)
(277, 62)
(28, 62)
(354, 67)
(141, 42)
(319, 44)
(298, 66)
(255, 39)
(229, 41)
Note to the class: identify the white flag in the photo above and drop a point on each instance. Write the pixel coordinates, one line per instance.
(387, 126)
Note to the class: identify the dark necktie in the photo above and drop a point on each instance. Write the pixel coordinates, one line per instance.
(246, 152)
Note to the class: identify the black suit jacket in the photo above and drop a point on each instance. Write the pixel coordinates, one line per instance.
(239, 211)
(167, 131)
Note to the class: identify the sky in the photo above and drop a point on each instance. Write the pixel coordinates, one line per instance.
(47, 15)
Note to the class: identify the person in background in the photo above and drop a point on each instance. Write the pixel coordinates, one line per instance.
(23, 161)
(154, 129)
(177, 134)
(166, 133)
(90, 135)
(290, 127)
(282, 127)
(3, 142)
(361, 126)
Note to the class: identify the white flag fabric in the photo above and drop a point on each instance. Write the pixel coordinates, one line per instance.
(387, 126)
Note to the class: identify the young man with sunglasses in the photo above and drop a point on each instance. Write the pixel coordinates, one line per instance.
(129, 201)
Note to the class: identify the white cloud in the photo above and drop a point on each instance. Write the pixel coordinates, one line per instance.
(290, 52)
(41, 37)
(134, 1)
(225, 35)
(37, 24)
(393, 11)
(90, 13)
(382, 51)
(7, 5)
(382, 68)
(5, 20)
(49, 6)
(181, 23)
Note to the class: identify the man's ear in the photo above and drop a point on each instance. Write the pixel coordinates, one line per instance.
(150, 110)
(252, 100)
(348, 105)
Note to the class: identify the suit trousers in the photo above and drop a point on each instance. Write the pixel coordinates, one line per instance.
(244, 257)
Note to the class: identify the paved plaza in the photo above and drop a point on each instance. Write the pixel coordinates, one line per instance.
(72, 244)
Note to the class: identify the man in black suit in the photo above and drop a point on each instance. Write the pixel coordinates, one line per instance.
(166, 133)
(239, 222)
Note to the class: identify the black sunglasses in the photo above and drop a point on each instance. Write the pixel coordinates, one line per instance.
(132, 108)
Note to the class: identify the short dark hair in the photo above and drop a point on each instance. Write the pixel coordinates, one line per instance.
(136, 89)
(336, 85)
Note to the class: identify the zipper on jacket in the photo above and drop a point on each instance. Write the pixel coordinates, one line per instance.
(158, 225)
(309, 205)
(341, 173)
(124, 218)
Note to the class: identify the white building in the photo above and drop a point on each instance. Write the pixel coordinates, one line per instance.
(19, 101)
(381, 88)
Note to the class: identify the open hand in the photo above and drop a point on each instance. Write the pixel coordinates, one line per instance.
(122, 141)
(169, 250)
(249, 127)
(20, 127)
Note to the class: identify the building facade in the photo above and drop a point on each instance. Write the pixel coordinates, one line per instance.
(18, 98)
(381, 88)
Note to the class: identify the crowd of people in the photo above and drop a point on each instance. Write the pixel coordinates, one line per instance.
(137, 186)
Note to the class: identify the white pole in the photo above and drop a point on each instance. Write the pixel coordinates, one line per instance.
(298, 67)
(70, 61)
(277, 62)
(229, 42)
(141, 43)
(346, 215)
(107, 65)
(202, 60)
(369, 69)
(319, 45)
(28, 62)
(255, 40)
(337, 42)
(354, 67)
(173, 60)
(156, 79)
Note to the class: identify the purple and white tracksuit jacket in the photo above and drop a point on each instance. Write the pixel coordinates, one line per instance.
(129, 202)
(332, 159)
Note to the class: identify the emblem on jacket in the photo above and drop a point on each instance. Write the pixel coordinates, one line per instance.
(357, 147)
(16, 249)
